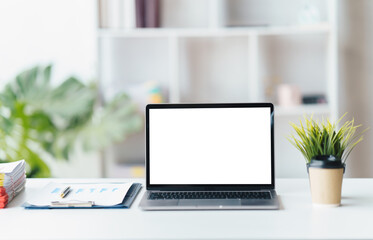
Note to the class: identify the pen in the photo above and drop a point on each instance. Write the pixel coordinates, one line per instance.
(65, 192)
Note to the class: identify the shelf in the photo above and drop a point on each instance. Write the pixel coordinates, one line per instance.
(216, 32)
(316, 109)
(195, 58)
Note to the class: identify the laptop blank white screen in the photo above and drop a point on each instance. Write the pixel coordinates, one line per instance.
(210, 146)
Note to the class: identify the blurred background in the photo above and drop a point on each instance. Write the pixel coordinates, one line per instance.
(81, 72)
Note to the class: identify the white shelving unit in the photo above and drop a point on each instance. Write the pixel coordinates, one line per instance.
(214, 32)
(317, 109)
(196, 58)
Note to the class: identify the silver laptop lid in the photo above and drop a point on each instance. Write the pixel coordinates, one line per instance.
(210, 146)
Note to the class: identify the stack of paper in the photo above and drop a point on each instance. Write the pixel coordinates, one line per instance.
(12, 181)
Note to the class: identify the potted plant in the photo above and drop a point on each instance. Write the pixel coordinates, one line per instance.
(325, 149)
(39, 119)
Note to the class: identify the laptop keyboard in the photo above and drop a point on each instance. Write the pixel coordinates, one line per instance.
(209, 195)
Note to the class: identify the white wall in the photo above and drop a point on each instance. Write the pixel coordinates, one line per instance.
(61, 32)
(356, 77)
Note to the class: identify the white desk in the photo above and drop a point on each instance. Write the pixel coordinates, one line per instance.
(296, 220)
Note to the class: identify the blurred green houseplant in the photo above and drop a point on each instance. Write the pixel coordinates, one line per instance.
(37, 118)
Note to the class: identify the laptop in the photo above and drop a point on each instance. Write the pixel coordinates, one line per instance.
(210, 156)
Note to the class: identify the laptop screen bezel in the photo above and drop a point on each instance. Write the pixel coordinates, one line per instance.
(209, 187)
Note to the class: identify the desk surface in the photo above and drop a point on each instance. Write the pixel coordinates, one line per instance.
(297, 219)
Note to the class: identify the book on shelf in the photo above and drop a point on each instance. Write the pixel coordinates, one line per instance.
(140, 13)
(151, 13)
(129, 18)
(128, 14)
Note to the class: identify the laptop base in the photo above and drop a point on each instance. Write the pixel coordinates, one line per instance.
(209, 204)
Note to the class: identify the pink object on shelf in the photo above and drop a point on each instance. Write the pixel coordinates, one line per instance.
(288, 95)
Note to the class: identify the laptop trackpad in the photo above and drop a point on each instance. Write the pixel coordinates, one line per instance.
(209, 202)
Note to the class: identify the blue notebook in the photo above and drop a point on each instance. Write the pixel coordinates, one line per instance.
(126, 202)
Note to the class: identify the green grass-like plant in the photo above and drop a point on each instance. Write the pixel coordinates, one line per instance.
(313, 138)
